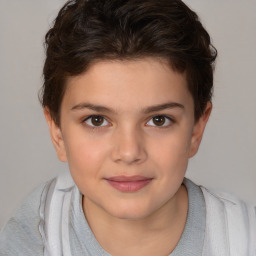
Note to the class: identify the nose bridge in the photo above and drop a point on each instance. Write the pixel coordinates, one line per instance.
(129, 145)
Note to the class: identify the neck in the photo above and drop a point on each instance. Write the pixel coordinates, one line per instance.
(156, 234)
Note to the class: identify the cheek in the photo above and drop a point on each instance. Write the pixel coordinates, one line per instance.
(86, 161)
(85, 155)
(172, 151)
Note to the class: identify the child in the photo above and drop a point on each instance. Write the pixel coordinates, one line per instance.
(127, 95)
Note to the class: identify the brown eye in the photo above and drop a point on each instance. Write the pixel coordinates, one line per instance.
(161, 121)
(96, 121)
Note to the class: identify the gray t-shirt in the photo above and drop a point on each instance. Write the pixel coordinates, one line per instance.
(21, 235)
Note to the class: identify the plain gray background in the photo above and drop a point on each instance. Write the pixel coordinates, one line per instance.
(227, 157)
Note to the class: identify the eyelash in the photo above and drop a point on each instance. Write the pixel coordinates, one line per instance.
(167, 118)
(92, 126)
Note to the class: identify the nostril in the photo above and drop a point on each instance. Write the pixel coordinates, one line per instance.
(128, 145)
(129, 154)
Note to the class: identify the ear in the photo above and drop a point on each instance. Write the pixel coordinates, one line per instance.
(198, 130)
(56, 136)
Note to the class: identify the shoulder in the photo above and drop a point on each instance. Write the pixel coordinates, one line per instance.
(231, 221)
(21, 234)
(227, 200)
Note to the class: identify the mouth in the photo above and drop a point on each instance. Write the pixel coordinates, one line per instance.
(128, 183)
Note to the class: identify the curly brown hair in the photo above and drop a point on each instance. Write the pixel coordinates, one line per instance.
(86, 31)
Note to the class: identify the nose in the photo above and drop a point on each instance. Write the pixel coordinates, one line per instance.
(128, 147)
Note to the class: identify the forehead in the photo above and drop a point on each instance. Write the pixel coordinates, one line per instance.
(124, 83)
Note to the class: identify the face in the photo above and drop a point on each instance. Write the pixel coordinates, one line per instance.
(127, 131)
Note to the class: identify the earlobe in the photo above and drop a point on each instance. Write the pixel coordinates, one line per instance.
(198, 130)
(56, 136)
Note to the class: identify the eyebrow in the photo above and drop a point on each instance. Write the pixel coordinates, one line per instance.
(159, 107)
(96, 108)
(147, 110)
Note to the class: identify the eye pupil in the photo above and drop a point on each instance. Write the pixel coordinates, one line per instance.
(97, 120)
(159, 120)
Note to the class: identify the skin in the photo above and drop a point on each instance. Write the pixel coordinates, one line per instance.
(129, 141)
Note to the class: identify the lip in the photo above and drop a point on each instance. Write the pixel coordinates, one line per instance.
(128, 183)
